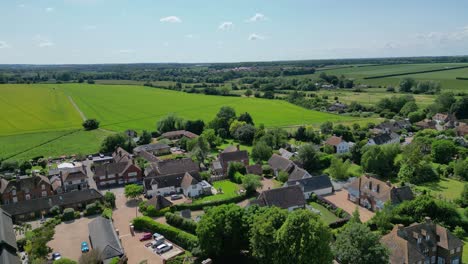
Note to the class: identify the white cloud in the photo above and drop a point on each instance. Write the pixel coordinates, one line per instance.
(255, 36)
(43, 42)
(226, 25)
(49, 9)
(257, 17)
(170, 19)
(89, 27)
(126, 51)
(4, 45)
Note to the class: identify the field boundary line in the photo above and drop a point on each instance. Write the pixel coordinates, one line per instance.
(42, 144)
(77, 108)
(415, 72)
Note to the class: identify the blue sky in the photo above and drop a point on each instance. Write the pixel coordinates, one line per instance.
(119, 31)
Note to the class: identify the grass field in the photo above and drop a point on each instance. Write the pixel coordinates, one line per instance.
(51, 144)
(327, 216)
(35, 108)
(229, 190)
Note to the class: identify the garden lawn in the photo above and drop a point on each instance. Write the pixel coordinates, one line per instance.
(327, 216)
(445, 188)
(229, 191)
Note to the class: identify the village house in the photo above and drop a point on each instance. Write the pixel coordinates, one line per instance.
(230, 154)
(24, 188)
(285, 153)
(178, 134)
(34, 208)
(462, 129)
(373, 193)
(394, 126)
(339, 145)
(278, 163)
(426, 124)
(383, 139)
(157, 149)
(289, 197)
(319, 185)
(337, 107)
(425, 242)
(175, 176)
(121, 155)
(117, 173)
(74, 180)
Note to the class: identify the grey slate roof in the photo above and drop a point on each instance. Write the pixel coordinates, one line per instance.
(238, 155)
(384, 138)
(151, 147)
(104, 238)
(298, 174)
(8, 245)
(278, 162)
(166, 167)
(111, 168)
(159, 202)
(283, 197)
(312, 183)
(45, 203)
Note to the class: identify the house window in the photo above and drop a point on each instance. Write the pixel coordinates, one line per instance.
(428, 237)
(434, 249)
(44, 194)
(28, 197)
(452, 251)
(70, 182)
(419, 240)
(458, 249)
(13, 192)
(43, 187)
(440, 260)
(433, 259)
(15, 199)
(132, 174)
(456, 260)
(82, 180)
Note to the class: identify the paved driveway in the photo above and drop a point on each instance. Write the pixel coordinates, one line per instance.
(123, 215)
(68, 237)
(340, 199)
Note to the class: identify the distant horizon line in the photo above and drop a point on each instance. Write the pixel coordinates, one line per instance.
(235, 62)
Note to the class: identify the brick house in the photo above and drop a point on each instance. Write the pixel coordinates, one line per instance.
(421, 243)
(25, 188)
(117, 173)
(289, 197)
(373, 193)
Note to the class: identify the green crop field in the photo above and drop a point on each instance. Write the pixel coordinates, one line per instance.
(35, 108)
(38, 119)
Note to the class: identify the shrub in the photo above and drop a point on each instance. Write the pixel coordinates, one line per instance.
(92, 209)
(238, 177)
(235, 167)
(64, 261)
(90, 124)
(200, 206)
(109, 199)
(55, 210)
(68, 214)
(114, 260)
(182, 238)
(266, 170)
(152, 212)
(178, 221)
(77, 215)
(107, 213)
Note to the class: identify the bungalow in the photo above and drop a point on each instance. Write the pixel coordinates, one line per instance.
(117, 173)
(340, 145)
(337, 107)
(230, 154)
(393, 126)
(426, 124)
(278, 163)
(425, 242)
(8, 246)
(373, 193)
(104, 239)
(178, 134)
(289, 197)
(156, 149)
(320, 185)
(383, 139)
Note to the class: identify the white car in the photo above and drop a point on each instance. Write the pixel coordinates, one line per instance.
(165, 247)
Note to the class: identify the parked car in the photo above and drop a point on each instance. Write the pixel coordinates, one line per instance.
(84, 247)
(146, 236)
(56, 256)
(176, 197)
(157, 242)
(163, 248)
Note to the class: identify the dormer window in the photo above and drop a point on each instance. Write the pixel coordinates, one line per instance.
(419, 240)
(13, 192)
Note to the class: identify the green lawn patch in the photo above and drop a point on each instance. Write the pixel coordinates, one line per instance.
(229, 191)
(445, 188)
(327, 216)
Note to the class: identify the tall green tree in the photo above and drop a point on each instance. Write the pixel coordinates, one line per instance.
(261, 151)
(355, 243)
(113, 141)
(303, 238)
(133, 191)
(309, 157)
(251, 183)
(339, 170)
(170, 122)
(443, 151)
(221, 231)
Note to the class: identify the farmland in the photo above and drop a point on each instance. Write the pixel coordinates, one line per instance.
(39, 119)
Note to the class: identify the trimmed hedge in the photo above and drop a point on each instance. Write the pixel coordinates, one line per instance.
(68, 214)
(181, 238)
(178, 221)
(107, 213)
(415, 72)
(200, 206)
(150, 210)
